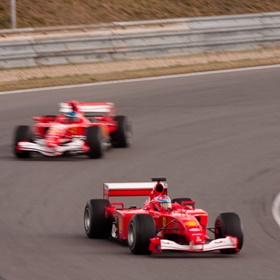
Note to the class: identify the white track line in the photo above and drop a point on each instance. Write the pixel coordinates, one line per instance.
(142, 79)
(276, 209)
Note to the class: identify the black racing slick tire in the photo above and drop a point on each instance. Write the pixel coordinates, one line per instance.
(121, 138)
(180, 200)
(140, 229)
(22, 133)
(96, 224)
(229, 224)
(95, 142)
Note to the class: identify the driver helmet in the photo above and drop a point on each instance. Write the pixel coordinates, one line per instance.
(164, 202)
(72, 116)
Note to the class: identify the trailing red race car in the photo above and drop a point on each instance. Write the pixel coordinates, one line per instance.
(161, 224)
(80, 128)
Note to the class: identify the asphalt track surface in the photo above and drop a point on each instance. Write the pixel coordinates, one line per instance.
(216, 139)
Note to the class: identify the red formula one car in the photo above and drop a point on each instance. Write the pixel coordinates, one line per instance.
(161, 224)
(80, 128)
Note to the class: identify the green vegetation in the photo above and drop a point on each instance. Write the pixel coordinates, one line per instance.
(38, 13)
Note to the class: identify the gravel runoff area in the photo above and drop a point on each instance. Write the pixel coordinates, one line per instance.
(9, 78)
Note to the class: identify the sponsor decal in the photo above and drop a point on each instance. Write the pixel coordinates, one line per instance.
(73, 130)
(194, 229)
(197, 234)
(164, 221)
(191, 223)
(120, 223)
(219, 241)
(54, 130)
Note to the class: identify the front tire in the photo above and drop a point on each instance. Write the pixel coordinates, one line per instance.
(95, 142)
(95, 222)
(22, 133)
(140, 229)
(121, 138)
(229, 224)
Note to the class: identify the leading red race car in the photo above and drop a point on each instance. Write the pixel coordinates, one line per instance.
(80, 128)
(161, 224)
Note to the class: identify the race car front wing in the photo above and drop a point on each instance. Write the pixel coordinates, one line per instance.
(158, 245)
(75, 146)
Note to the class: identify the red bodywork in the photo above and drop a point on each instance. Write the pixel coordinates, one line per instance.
(183, 223)
(56, 129)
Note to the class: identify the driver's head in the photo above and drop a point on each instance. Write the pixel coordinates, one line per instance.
(163, 201)
(71, 116)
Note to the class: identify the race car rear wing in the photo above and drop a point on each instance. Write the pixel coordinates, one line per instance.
(131, 189)
(90, 108)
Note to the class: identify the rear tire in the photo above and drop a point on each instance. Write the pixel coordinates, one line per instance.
(95, 223)
(140, 229)
(229, 224)
(22, 133)
(121, 138)
(95, 142)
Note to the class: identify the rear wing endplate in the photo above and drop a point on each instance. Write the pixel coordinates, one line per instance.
(130, 189)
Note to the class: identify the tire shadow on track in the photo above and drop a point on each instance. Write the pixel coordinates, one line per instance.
(185, 255)
(108, 247)
(164, 255)
(6, 154)
(173, 254)
(39, 158)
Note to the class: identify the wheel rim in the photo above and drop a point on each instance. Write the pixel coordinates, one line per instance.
(130, 237)
(87, 219)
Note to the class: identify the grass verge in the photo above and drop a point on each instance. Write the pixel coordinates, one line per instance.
(246, 60)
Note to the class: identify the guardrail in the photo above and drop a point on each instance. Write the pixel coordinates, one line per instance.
(136, 40)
